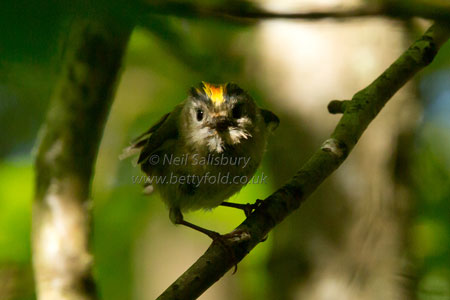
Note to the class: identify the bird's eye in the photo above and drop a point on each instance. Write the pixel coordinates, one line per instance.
(237, 111)
(199, 115)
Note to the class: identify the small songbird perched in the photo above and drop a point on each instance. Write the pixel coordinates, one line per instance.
(205, 150)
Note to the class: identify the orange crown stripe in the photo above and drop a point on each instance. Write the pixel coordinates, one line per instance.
(214, 92)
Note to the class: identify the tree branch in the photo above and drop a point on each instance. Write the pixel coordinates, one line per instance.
(337, 106)
(65, 157)
(244, 11)
(360, 111)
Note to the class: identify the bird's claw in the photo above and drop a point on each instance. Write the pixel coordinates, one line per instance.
(250, 208)
(225, 240)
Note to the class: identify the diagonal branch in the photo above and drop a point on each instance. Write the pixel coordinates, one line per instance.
(68, 146)
(358, 114)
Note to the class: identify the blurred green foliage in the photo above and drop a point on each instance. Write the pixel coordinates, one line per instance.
(164, 58)
(16, 185)
(430, 233)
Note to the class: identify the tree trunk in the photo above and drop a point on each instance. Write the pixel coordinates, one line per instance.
(66, 154)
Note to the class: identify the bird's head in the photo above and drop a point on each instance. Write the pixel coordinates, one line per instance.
(219, 116)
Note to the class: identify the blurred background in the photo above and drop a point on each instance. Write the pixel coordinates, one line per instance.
(378, 228)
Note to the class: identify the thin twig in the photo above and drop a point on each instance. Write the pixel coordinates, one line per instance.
(363, 108)
(337, 106)
(244, 11)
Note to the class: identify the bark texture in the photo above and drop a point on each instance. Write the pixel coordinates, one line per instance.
(65, 158)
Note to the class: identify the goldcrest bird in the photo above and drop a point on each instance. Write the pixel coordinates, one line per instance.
(205, 150)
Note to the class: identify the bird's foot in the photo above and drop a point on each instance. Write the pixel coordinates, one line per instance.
(225, 241)
(247, 208)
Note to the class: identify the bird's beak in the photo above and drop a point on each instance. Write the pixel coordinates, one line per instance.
(222, 123)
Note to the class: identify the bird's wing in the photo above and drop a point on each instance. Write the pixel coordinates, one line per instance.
(148, 142)
(271, 120)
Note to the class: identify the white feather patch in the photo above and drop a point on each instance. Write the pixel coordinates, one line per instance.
(128, 152)
(237, 134)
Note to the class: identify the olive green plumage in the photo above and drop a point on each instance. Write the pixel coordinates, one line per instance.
(205, 150)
